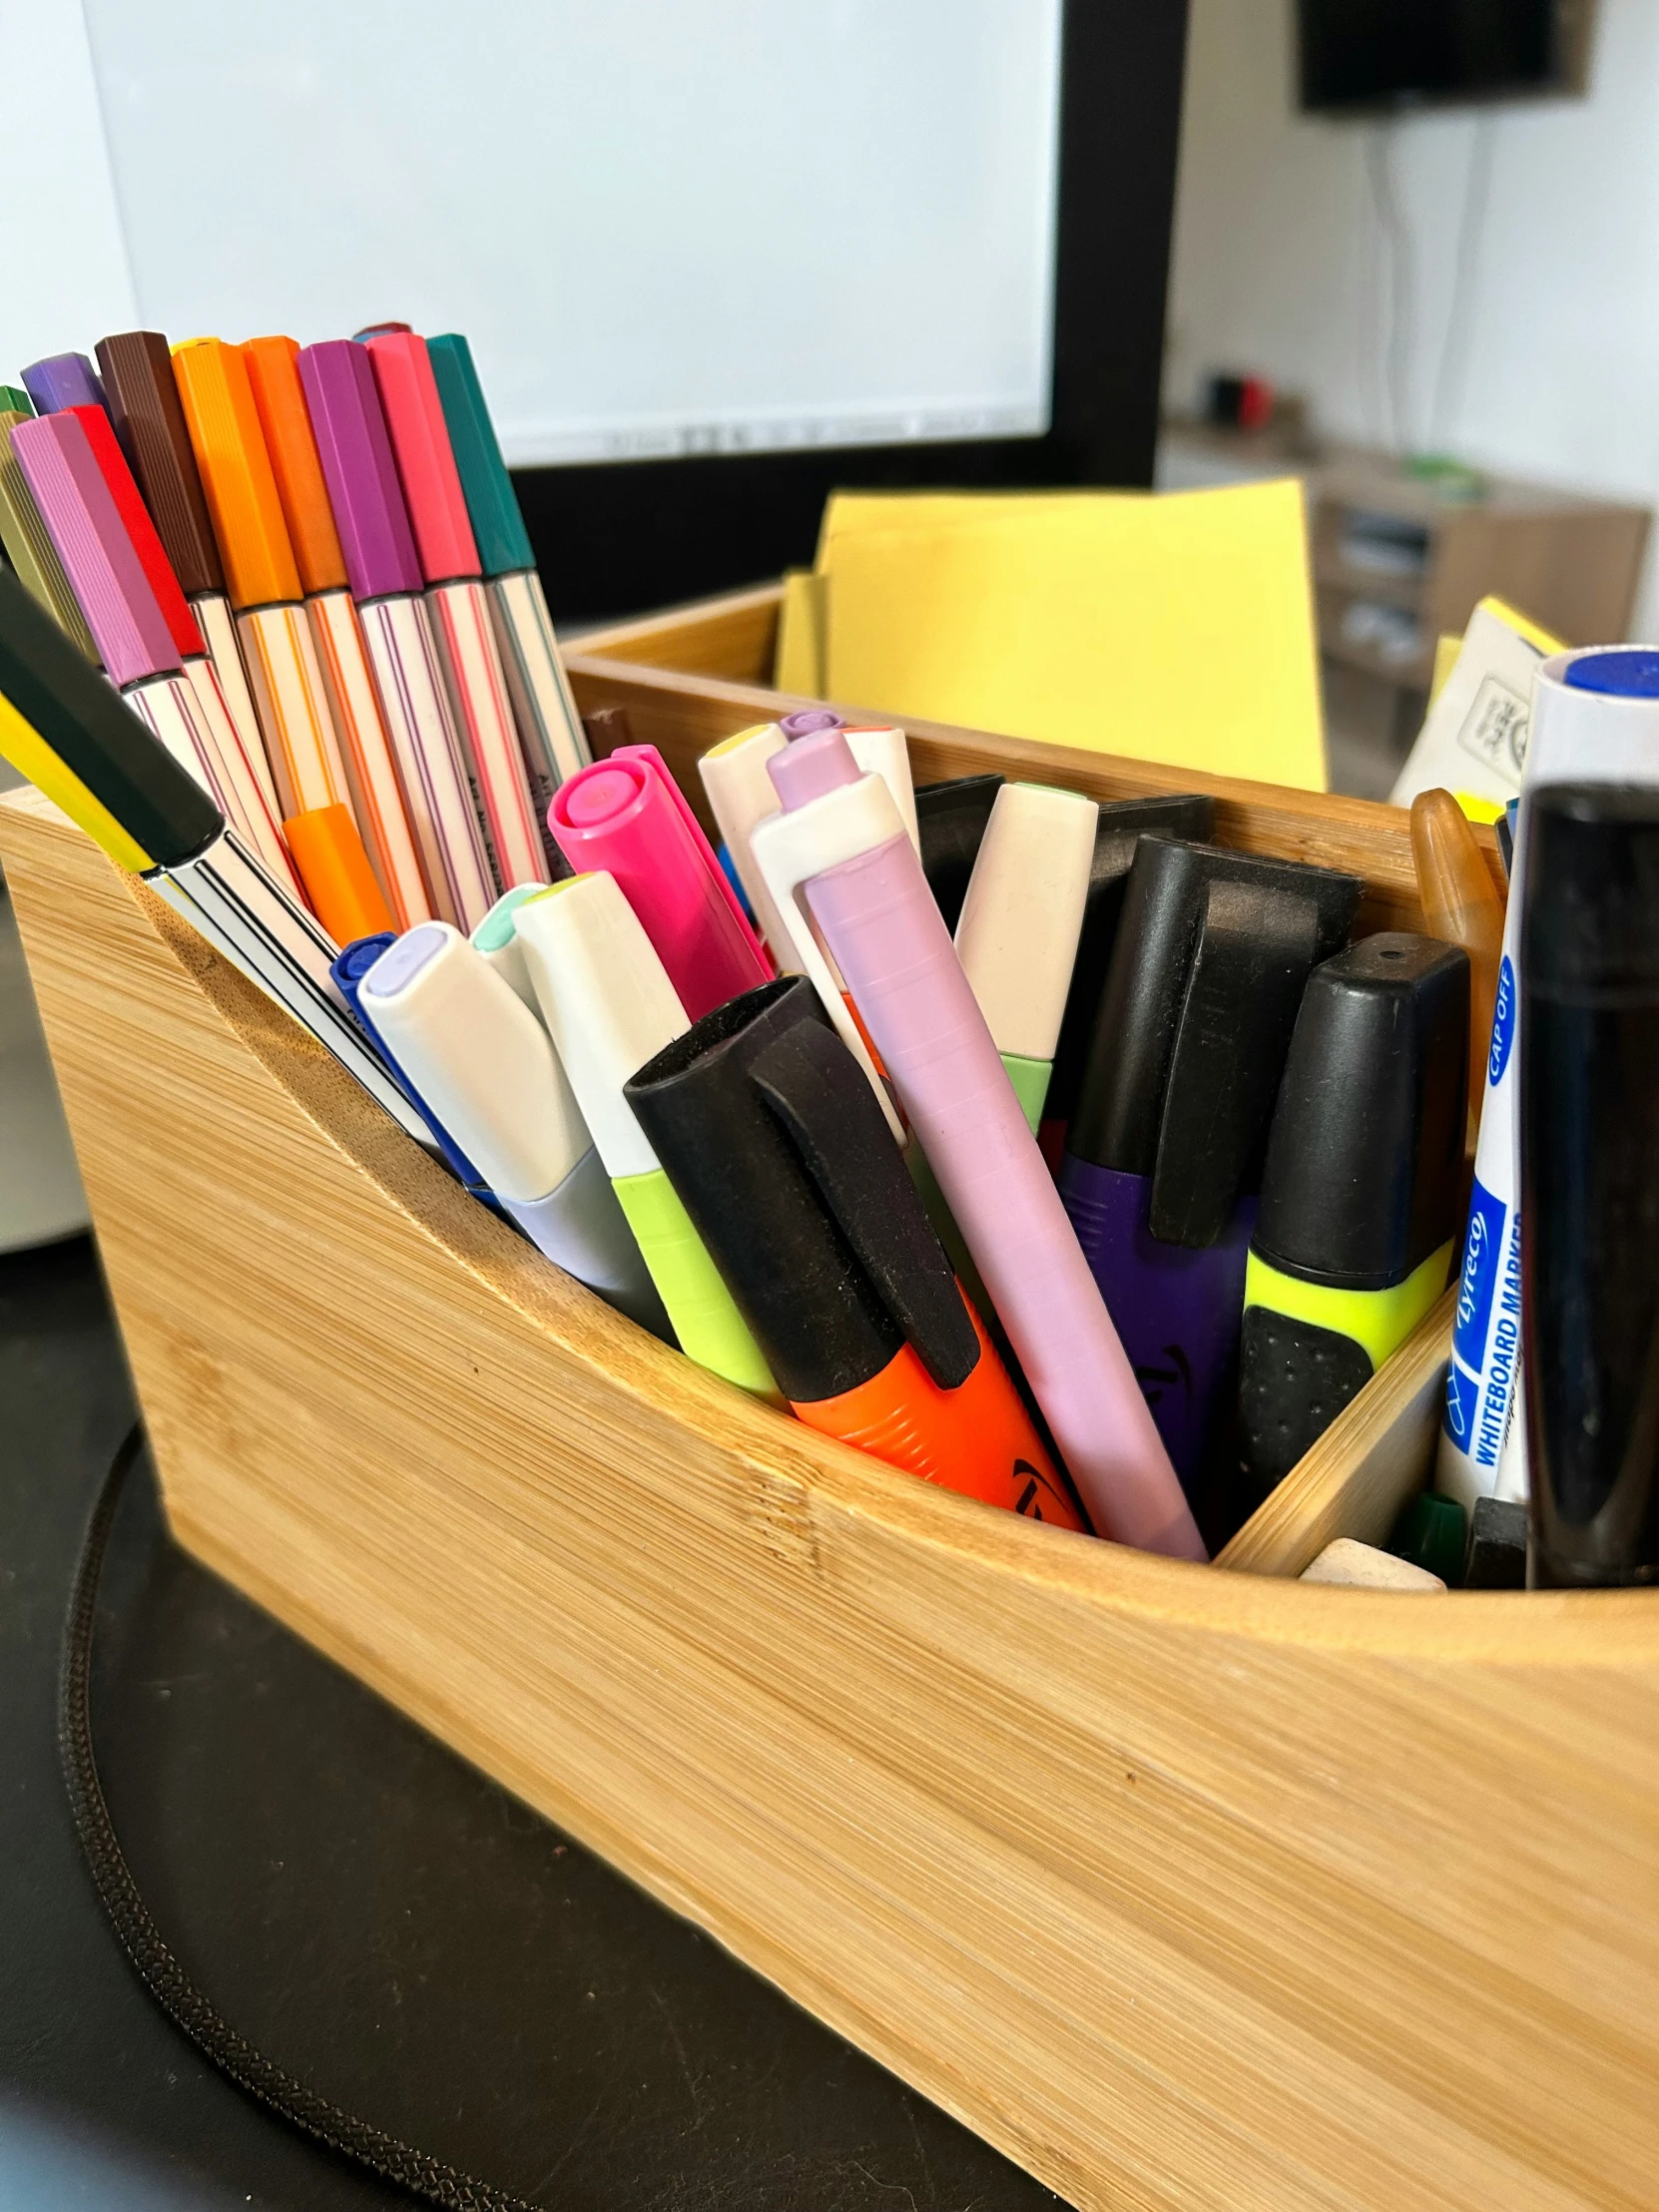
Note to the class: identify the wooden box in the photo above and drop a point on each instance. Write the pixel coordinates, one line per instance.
(1189, 1889)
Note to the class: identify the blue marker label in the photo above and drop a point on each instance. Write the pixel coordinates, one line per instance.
(1503, 1024)
(1482, 1251)
(1462, 1395)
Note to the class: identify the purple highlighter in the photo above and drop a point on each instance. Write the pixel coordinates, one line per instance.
(1164, 1152)
(880, 922)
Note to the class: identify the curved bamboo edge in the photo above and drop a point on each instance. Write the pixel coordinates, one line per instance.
(1351, 1484)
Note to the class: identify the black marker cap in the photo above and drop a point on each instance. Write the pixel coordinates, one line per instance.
(771, 1135)
(1366, 1146)
(950, 821)
(1122, 824)
(148, 420)
(97, 736)
(1207, 973)
(1589, 1162)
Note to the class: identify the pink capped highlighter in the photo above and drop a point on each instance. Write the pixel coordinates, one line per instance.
(881, 925)
(626, 817)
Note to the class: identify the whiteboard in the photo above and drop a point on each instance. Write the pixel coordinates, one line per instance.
(667, 228)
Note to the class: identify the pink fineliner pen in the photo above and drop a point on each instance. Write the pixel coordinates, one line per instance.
(880, 921)
(460, 607)
(70, 481)
(384, 568)
(626, 815)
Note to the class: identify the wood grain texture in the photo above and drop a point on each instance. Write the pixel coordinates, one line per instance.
(682, 714)
(1194, 1892)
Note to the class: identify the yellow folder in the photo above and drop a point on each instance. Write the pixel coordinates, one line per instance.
(1173, 627)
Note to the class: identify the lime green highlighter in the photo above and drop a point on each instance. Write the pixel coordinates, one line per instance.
(609, 1007)
(1354, 1233)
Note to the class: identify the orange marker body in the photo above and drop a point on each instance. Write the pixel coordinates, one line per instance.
(977, 1438)
(333, 866)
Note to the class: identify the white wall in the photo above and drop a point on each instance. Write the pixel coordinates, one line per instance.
(1279, 264)
(63, 264)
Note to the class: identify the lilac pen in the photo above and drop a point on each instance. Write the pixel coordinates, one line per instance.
(880, 922)
(385, 572)
(62, 381)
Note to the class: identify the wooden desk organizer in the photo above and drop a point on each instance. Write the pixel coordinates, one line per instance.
(1188, 1889)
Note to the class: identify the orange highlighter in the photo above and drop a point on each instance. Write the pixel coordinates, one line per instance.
(376, 794)
(774, 1144)
(1460, 905)
(290, 696)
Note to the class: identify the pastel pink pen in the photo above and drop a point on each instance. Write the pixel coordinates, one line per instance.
(881, 923)
(453, 574)
(626, 817)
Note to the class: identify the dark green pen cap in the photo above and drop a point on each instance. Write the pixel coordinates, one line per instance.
(1361, 1180)
(15, 401)
(491, 502)
(97, 736)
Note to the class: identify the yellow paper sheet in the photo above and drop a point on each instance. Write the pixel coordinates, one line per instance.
(1176, 628)
(797, 664)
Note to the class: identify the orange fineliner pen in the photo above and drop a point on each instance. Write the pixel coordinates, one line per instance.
(376, 791)
(277, 646)
(771, 1137)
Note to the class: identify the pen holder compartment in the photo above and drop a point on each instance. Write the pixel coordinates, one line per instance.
(1182, 1886)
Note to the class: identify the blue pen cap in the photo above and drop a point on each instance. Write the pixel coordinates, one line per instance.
(1622, 671)
(491, 504)
(348, 969)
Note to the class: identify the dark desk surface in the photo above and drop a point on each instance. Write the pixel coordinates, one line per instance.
(367, 1909)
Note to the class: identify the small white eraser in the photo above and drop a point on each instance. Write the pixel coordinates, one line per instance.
(1365, 1568)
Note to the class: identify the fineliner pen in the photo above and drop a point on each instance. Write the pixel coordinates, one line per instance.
(149, 421)
(236, 771)
(74, 490)
(64, 380)
(27, 540)
(1163, 1155)
(880, 921)
(354, 449)
(1122, 823)
(628, 816)
(1354, 1237)
(348, 969)
(456, 593)
(301, 743)
(1460, 905)
(1589, 1171)
(376, 791)
(497, 940)
(740, 795)
(1020, 921)
(549, 726)
(1595, 720)
(487, 1070)
(609, 1007)
(771, 1137)
(64, 728)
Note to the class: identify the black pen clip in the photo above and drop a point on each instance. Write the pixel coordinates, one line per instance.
(824, 1100)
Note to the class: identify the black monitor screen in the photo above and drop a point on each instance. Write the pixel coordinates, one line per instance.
(1377, 53)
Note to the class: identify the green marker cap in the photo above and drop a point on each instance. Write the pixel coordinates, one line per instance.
(15, 401)
(491, 504)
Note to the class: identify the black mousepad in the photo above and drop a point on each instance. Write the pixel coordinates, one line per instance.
(411, 1942)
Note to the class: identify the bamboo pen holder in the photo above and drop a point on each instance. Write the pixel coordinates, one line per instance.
(1187, 1887)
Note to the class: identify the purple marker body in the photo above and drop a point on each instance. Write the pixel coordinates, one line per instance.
(1176, 1307)
(880, 921)
(64, 380)
(354, 446)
